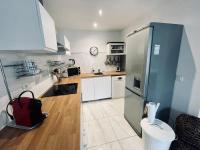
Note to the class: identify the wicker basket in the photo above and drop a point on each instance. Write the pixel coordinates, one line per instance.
(188, 132)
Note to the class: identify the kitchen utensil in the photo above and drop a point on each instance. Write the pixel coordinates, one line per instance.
(72, 62)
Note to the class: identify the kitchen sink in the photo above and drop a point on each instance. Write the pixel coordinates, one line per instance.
(62, 89)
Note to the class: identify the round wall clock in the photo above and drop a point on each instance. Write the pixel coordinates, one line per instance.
(94, 51)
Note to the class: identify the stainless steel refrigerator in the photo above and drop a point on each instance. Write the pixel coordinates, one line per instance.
(151, 63)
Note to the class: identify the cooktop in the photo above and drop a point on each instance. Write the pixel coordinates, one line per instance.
(62, 89)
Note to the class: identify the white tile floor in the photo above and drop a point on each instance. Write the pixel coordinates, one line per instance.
(104, 126)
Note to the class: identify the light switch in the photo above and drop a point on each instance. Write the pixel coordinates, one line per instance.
(156, 49)
(199, 114)
(179, 78)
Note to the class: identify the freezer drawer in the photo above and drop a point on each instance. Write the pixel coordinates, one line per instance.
(118, 86)
(133, 110)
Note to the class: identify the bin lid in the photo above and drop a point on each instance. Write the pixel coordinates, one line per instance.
(159, 130)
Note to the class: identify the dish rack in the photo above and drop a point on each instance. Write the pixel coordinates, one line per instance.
(25, 68)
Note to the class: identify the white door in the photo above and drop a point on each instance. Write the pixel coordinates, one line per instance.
(87, 88)
(102, 87)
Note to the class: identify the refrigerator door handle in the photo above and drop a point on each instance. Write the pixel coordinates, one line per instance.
(132, 91)
(148, 61)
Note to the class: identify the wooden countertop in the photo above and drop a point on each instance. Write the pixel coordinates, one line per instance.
(111, 73)
(59, 131)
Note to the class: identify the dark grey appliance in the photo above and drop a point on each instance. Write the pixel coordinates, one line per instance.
(73, 71)
(151, 62)
(61, 89)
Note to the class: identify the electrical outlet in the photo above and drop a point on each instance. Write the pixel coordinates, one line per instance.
(179, 78)
(156, 49)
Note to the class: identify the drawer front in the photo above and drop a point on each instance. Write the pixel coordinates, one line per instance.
(118, 78)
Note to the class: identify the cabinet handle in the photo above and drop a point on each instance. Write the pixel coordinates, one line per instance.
(119, 78)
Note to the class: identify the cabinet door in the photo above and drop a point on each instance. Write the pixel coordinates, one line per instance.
(48, 28)
(87, 88)
(118, 86)
(26, 27)
(102, 87)
(19, 29)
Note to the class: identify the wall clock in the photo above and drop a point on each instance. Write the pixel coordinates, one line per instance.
(94, 51)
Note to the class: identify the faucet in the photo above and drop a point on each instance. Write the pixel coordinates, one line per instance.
(57, 73)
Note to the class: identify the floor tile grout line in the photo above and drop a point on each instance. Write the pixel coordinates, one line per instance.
(104, 118)
(112, 142)
(109, 117)
(117, 140)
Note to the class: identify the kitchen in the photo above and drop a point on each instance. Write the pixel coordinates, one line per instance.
(95, 50)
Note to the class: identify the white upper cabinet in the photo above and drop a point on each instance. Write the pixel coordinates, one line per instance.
(26, 26)
(48, 27)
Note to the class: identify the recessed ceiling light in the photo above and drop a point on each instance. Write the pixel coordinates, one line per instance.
(95, 25)
(100, 12)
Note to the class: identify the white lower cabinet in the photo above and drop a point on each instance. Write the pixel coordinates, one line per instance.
(118, 86)
(87, 88)
(102, 87)
(96, 88)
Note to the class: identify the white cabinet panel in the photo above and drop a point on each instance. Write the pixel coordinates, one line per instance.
(87, 89)
(118, 86)
(96, 88)
(48, 27)
(26, 27)
(102, 87)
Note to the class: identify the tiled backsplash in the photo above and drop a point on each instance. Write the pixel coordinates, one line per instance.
(38, 83)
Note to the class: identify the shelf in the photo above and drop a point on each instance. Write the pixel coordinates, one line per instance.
(116, 54)
(26, 74)
(117, 49)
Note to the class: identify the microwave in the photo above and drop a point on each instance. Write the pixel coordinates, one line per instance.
(73, 71)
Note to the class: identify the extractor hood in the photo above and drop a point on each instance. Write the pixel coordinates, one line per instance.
(62, 50)
(63, 44)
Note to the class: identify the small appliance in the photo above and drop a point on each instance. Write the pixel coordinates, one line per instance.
(73, 71)
(72, 62)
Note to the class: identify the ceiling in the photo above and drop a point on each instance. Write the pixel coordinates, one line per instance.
(117, 14)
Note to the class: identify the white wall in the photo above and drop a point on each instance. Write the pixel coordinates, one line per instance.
(82, 40)
(186, 96)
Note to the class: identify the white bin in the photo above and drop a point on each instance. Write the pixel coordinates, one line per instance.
(157, 136)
